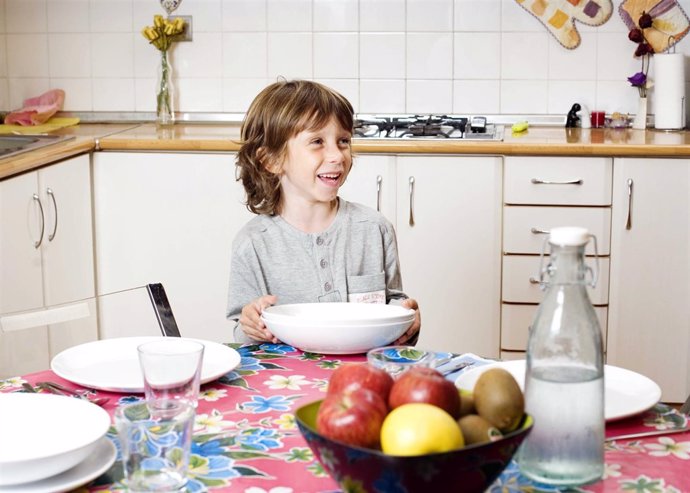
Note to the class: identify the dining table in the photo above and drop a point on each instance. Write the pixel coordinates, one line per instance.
(246, 437)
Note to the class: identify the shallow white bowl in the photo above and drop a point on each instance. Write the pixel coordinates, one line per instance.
(42, 435)
(315, 337)
(339, 314)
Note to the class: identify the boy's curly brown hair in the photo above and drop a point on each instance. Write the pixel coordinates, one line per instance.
(278, 113)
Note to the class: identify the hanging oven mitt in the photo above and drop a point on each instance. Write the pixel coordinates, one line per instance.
(669, 22)
(559, 16)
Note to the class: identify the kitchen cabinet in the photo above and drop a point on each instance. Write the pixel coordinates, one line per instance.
(541, 193)
(46, 253)
(649, 307)
(168, 218)
(372, 182)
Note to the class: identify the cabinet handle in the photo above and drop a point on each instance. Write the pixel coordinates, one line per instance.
(628, 222)
(537, 231)
(43, 221)
(379, 179)
(534, 280)
(411, 221)
(50, 193)
(538, 181)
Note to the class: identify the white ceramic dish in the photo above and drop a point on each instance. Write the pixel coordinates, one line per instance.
(113, 364)
(42, 435)
(99, 461)
(314, 337)
(339, 313)
(626, 393)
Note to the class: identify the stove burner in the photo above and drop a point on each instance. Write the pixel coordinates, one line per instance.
(424, 126)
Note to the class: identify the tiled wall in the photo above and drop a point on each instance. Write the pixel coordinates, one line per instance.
(387, 56)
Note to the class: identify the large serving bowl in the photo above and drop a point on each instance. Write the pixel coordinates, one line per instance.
(337, 328)
(42, 435)
(470, 469)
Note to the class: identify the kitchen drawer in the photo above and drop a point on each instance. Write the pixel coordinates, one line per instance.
(545, 180)
(519, 272)
(522, 223)
(516, 320)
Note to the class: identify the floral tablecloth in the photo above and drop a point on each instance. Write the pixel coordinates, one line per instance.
(246, 439)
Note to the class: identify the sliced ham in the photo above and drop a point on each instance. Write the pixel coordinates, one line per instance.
(39, 109)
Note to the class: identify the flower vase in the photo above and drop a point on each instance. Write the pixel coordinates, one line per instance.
(640, 121)
(165, 113)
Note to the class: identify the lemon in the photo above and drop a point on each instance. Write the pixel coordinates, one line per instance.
(419, 429)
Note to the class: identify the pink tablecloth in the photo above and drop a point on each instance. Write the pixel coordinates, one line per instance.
(246, 439)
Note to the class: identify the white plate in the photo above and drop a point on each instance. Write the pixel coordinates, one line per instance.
(339, 313)
(626, 393)
(44, 434)
(113, 364)
(98, 462)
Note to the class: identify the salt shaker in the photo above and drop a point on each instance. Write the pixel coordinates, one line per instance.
(564, 380)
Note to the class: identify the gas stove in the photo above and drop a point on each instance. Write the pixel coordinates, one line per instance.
(426, 127)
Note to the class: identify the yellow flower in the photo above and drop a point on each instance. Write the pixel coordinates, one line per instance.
(162, 32)
(158, 21)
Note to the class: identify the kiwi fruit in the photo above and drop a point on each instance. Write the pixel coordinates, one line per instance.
(466, 402)
(498, 399)
(476, 429)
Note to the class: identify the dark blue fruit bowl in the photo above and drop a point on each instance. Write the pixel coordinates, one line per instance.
(470, 469)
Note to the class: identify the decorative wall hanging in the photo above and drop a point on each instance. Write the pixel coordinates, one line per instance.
(559, 16)
(669, 23)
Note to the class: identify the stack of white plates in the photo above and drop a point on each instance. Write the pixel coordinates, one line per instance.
(337, 328)
(51, 443)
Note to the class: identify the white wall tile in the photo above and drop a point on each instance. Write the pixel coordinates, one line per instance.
(27, 56)
(524, 55)
(429, 96)
(146, 57)
(290, 55)
(381, 96)
(143, 12)
(615, 60)
(477, 56)
(145, 94)
(289, 15)
(78, 94)
(70, 55)
(112, 16)
(476, 97)
(616, 96)
(519, 97)
(477, 15)
(429, 15)
(347, 87)
(336, 15)
(244, 15)
(25, 88)
(68, 16)
(430, 55)
(382, 55)
(239, 93)
(113, 94)
(3, 25)
(112, 55)
(206, 15)
(4, 93)
(382, 15)
(336, 55)
(201, 58)
(26, 16)
(564, 93)
(3, 58)
(516, 19)
(245, 55)
(577, 64)
(199, 94)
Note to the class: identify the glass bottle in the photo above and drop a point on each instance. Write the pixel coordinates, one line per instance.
(564, 380)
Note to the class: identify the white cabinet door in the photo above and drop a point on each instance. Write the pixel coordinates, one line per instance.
(372, 182)
(649, 306)
(169, 218)
(449, 236)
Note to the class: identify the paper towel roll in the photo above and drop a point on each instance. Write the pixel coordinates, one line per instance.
(669, 91)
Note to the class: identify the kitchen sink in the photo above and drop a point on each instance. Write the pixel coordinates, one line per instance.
(11, 145)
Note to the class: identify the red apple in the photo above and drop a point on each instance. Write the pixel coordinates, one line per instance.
(353, 416)
(421, 384)
(355, 375)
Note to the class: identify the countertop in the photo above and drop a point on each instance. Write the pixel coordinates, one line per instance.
(224, 137)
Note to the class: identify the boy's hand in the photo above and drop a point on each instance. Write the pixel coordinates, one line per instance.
(250, 319)
(412, 334)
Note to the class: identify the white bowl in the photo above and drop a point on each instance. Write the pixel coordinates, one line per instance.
(42, 435)
(315, 337)
(339, 314)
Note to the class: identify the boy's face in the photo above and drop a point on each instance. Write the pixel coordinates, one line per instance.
(316, 164)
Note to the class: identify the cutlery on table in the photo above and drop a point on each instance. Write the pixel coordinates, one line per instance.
(647, 434)
(56, 388)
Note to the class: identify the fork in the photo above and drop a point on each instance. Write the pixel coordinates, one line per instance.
(56, 388)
